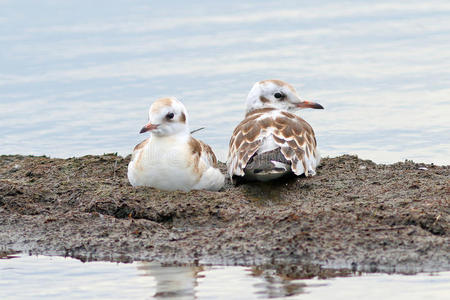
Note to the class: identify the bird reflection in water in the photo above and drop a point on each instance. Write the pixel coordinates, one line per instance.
(182, 281)
(173, 281)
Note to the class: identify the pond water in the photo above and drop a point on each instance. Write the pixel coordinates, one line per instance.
(77, 77)
(46, 277)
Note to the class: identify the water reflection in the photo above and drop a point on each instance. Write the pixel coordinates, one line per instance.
(191, 281)
(47, 277)
(275, 285)
(173, 282)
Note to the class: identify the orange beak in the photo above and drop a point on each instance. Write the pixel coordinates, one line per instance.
(148, 127)
(309, 104)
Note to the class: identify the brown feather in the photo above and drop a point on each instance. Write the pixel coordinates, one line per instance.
(250, 118)
(139, 147)
(300, 140)
(195, 146)
(253, 133)
(238, 140)
(289, 131)
(288, 114)
(279, 83)
(259, 111)
(265, 123)
(288, 153)
(299, 153)
(141, 144)
(209, 154)
(264, 99)
(246, 127)
(307, 150)
(160, 103)
(183, 118)
(198, 148)
(292, 144)
(278, 140)
(282, 121)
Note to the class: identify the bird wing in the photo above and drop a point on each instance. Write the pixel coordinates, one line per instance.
(138, 148)
(293, 135)
(202, 153)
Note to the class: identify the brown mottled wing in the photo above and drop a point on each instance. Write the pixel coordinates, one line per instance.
(208, 154)
(202, 152)
(245, 141)
(292, 134)
(297, 142)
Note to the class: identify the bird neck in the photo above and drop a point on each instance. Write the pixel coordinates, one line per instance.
(176, 136)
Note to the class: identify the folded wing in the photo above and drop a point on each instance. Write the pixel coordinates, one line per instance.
(284, 130)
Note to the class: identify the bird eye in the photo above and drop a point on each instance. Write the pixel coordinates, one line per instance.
(169, 116)
(278, 95)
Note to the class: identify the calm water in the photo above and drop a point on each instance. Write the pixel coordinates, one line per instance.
(45, 277)
(77, 77)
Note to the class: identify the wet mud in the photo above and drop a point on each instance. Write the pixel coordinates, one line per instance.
(353, 215)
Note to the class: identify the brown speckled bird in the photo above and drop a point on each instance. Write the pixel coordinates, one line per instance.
(271, 141)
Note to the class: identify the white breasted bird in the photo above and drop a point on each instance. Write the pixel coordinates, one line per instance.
(171, 159)
(272, 141)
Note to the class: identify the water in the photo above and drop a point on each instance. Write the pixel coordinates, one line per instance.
(77, 77)
(46, 277)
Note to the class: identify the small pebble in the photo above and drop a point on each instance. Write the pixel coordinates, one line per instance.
(422, 168)
(15, 168)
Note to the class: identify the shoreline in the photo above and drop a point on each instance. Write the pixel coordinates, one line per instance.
(354, 214)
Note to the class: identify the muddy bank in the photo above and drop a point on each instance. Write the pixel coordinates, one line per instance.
(353, 214)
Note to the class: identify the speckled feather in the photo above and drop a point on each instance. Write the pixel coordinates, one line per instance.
(268, 126)
(292, 134)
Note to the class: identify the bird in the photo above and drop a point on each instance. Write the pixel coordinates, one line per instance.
(171, 159)
(272, 141)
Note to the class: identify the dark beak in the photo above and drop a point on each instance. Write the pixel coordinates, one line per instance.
(148, 127)
(309, 104)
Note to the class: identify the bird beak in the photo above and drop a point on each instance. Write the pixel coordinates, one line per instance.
(148, 127)
(309, 104)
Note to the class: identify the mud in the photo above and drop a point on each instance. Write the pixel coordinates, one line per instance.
(354, 214)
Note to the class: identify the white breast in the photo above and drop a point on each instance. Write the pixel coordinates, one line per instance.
(163, 164)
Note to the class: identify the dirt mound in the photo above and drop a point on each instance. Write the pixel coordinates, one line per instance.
(353, 214)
